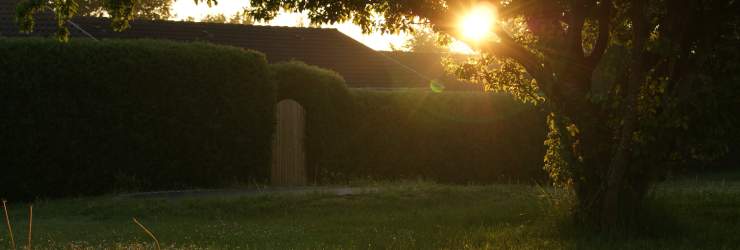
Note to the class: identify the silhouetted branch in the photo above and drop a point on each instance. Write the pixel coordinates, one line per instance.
(604, 16)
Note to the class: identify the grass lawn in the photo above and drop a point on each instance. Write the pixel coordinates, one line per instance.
(690, 213)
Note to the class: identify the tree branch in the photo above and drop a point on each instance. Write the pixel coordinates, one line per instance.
(574, 35)
(509, 48)
(604, 17)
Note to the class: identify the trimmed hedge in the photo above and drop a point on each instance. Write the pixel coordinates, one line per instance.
(91, 117)
(94, 117)
(449, 137)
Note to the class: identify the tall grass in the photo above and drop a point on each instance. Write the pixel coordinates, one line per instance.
(148, 232)
(7, 222)
(30, 226)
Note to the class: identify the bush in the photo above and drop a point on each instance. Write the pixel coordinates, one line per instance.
(90, 117)
(450, 137)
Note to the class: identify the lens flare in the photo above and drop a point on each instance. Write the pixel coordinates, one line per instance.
(436, 86)
(477, 24)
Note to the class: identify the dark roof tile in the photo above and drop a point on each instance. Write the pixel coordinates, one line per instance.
(430, 64)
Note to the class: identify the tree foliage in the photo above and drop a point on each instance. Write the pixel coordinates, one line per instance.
(428, 41)
(240, 17)
(143, 9)
(217, 18)
(120, 11)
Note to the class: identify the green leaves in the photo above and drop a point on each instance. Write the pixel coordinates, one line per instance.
(556, 163)
(63, 11)
(384, 16)
(500, 75)
(121, 12)
(24, 13)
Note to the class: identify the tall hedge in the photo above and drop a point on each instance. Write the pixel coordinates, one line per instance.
(89, 117)
(450, 136)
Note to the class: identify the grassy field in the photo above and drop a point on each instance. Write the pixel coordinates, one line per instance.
(688, 213)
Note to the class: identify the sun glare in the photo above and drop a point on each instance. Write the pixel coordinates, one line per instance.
(477, 24)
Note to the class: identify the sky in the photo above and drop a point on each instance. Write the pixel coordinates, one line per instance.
(187, 8)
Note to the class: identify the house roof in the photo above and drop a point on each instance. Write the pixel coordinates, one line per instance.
(430, 64)
(328, 48)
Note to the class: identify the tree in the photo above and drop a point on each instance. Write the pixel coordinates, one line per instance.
(302, 23)
(238, 18)
(241, 17)
(218, 18)
(620, 78)
(120, 11)
(425, 40)
(143, 9)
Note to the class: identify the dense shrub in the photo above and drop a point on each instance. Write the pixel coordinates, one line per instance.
(89, 117)
(449, 137)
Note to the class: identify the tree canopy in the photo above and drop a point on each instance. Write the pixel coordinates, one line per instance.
(426, 41)
(143, 9)
(238, 18)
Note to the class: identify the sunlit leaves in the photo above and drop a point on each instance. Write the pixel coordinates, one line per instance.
(121, 12)
(384, 16)
(560, 171)
(143, 9)
(428, 41)
(63, 11)
(498, 75)
(25, 11)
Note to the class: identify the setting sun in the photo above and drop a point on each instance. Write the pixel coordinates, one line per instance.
(477, 24)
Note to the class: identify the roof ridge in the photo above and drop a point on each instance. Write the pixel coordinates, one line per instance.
(134, 21)
(422, 52)
(389, 59)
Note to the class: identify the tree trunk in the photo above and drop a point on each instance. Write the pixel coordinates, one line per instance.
(616, 190)
(609, 192)
(606, 199)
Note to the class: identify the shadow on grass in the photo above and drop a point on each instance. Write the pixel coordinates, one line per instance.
(662, 225)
